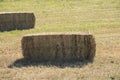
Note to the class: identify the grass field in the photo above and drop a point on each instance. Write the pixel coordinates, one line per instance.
(100, 17)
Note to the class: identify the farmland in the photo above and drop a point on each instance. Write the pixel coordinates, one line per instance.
(99, 17)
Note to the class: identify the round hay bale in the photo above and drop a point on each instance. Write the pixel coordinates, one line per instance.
(59, 46)
(16, 21)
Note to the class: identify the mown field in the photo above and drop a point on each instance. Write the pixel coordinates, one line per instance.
(100, 17)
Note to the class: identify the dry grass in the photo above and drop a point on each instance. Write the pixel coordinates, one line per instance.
(101, 17)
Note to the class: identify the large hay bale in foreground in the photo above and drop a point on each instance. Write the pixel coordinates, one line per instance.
(19, 21)
(59, 46)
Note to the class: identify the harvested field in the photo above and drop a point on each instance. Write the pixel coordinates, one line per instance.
(59, 46)
(99, 17)
(16, 21)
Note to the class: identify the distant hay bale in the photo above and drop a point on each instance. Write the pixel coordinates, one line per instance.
(19, 21)
(59, 46)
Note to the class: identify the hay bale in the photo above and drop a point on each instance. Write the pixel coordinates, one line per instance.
(59, 46)
(19, 21)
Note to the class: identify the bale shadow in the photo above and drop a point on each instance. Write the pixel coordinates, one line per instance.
(27, 62)
(18, 29)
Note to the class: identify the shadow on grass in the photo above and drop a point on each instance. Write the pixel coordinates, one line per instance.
(26, 63)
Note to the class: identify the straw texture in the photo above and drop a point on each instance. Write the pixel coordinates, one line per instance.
(16, 21)
(59, 47)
